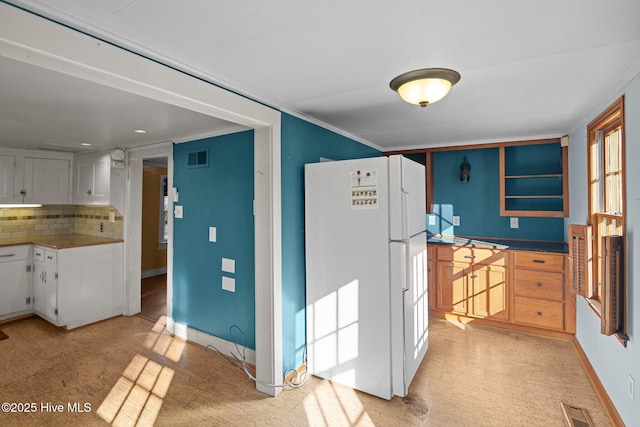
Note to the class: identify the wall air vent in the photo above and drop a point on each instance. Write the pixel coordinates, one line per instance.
(198, 159)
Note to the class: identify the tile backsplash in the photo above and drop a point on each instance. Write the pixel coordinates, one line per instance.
(52, 220)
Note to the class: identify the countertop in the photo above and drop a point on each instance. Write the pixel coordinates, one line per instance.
(523, 245)
(63, 241)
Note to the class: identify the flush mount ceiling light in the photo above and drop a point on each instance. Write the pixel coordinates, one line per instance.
(140, 131)
(425, 86)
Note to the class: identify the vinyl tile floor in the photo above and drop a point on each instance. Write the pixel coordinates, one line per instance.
(129, 371)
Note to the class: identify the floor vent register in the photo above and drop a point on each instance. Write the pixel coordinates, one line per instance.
(576, 416)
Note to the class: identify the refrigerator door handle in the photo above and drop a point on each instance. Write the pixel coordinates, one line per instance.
(405, 213)
(406, 268)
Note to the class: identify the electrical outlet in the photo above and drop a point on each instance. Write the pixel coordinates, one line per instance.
(456, 221)
(513, 223)
(631, 386)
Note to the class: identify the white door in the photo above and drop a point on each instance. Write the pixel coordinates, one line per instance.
(46, 180)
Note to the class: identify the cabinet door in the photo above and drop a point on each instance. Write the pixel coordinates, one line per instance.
(14, 287)
(489, 292)
(91, 181)
(46, 180)
(452, 287)
(7, 170)
(45, 291)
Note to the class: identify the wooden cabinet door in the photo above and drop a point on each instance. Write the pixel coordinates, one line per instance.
(489, 292)
(431, 279)
(452, 287)
(46, 180)
(7, 170)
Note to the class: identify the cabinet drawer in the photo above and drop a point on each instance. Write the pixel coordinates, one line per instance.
(539, 284)
(38, 254)
(472, 255)
(539, 260)
(537, 312)
(14, 253)
(51, 257)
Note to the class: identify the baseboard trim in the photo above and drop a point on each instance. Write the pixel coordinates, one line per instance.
(152, 273)
(205, 339)
(609, 407)
(464, 320)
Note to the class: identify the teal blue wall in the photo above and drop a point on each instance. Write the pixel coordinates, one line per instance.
(219, 195)
(477, 201)
(302, 142)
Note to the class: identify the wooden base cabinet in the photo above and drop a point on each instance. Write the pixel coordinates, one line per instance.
(541, 297)
(469, 287)
(507, 286)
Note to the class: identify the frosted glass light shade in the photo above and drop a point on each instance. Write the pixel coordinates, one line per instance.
(425, 86)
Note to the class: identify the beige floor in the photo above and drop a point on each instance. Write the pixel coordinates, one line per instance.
(129, 370)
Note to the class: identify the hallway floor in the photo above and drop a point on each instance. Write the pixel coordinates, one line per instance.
(129, 371)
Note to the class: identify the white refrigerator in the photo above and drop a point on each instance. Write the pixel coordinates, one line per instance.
(366, 272)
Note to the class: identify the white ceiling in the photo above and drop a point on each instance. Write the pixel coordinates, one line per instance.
(529, 69)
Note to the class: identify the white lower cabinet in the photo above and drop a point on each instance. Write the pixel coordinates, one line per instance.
(45, 284)
(15, 272)
(77, 286)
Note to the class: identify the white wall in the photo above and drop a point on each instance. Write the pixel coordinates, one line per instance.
(612, 362)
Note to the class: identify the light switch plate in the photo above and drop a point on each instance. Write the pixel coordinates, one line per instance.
(177, 211)
(175, 195)
(212, 234)
(432, 220)
(456, 221)
(228, 284)
(228, 265)
(513, 223)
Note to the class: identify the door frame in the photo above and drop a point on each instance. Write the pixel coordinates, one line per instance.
(30, 38)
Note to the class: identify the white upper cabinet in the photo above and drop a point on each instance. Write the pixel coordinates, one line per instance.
(91, 181)
(29, 178)
(97, 182)
(46, 181)
(7, 171)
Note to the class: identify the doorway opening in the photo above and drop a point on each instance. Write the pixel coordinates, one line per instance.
(154, 238)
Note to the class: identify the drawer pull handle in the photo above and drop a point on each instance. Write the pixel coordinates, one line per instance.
(7, 255)
(470, 256)
(539, 284)
(539, 313)
(49, 257)
(538, 261)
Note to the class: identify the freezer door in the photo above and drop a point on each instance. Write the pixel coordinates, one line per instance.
(407, 198)
(410, 310)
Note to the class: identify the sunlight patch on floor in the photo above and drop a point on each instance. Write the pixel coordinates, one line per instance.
(136, 398)
(333, 404)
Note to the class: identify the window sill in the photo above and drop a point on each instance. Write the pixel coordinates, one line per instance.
(595, 306)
